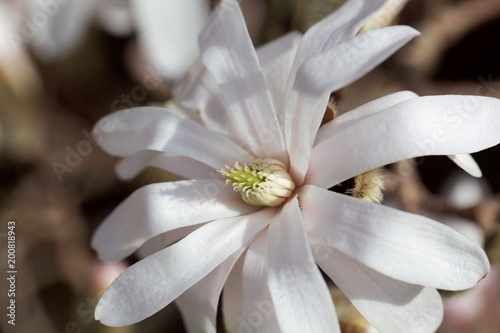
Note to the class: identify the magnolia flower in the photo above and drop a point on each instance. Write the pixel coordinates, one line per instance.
(167, 30)
(255, 217)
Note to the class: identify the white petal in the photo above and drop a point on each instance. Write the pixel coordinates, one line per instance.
(342, 24)
(57, 29)
(338, 27)
(161, 241)
(366, 110)
(152, 283)
(432, 125)
(258, 309)
(199, 92)
(389, 305)
(276, 59)
(464, 161)
(168, 32)
(345, 63)
(404, 246)
(299, 292)
(158, 208)
(228, 54)
(198, 304)
(127, 132)
(232, 298)
(467, 162)
(131, 166)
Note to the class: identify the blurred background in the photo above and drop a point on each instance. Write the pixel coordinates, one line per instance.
(66, 63)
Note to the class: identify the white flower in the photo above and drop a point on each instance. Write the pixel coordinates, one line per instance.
(269, 104)
(167, 30)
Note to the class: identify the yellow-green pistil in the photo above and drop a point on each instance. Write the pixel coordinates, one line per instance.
(263, 182)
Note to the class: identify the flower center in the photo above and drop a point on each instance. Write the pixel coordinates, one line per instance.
(263, 182)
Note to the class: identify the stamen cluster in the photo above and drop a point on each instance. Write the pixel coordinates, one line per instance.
(263, 182)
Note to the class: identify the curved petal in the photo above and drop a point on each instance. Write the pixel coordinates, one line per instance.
(300, 295)
(342, 24)
(199, 92)
(198, 304)
(276, 59)
(432, 125)
(336, 28)
(152, 283)
(127, 132)
(345, 62)
(361, 112)
(232, 298)
(389, 305)
(161, 241)
(406, 247)
(464, 161)
(131, 166)
(467, 163)
(258, 311)
(228, 54)
(168, 32)
(158, 208)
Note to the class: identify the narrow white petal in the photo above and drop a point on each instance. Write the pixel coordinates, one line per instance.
(342, 24)
(464, 161)
(432, 125)
(366, 110)
(467, 162)
(199, 92)
(258, 309)
(232, 298)
(230, 57)
(336, 28)
(127, 132)
(327, 72)
(131, 166)
(198, 304)
(391, 306)
(152, 283)
(158, 208)
(299, 292)
(404, 246)
(276, 59)
(161, 241)
(168, 32)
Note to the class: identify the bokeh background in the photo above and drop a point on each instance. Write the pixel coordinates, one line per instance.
(57, 185)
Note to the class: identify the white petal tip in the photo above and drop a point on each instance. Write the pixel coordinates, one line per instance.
(468, 164)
